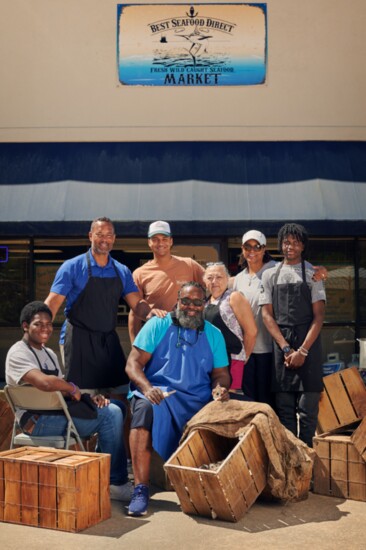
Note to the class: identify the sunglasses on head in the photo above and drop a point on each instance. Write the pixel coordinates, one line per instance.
(210, 264)
(195, 302)
(249, 247)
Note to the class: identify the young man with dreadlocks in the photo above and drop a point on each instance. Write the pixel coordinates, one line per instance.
(293, 306)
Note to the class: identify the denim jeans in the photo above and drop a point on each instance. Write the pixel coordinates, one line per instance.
(108, 425)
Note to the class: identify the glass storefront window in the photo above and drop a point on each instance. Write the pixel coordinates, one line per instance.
(338, 342)
(362, 282)
(337, 255)
(15, 292)
(15, 280)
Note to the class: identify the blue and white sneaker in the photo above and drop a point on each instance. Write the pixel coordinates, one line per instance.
(139, 501)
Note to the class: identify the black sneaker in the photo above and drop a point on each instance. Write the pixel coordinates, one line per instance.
(139, 501)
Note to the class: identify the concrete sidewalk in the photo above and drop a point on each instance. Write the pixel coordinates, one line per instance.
(320, 522)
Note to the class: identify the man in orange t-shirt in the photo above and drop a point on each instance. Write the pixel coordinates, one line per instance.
(159, 280)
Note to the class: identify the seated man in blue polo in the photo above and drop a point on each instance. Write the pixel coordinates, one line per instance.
(175, 366)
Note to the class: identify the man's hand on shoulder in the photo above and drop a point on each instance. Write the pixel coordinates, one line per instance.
(157, 313)
(320, 273)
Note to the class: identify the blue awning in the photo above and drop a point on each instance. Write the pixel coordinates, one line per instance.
(323, 202)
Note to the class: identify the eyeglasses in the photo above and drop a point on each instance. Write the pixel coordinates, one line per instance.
(294, 244)
(195, 302)
(210, 264)
(255, 247)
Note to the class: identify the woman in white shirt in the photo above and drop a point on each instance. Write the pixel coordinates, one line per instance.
(257, 372)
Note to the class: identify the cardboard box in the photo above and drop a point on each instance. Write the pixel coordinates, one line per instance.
(54, 488)
(339, 469)
(343, 400)
(218, 477)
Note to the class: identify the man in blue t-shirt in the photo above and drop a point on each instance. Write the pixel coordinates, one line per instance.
(177, 364)
(93, 284)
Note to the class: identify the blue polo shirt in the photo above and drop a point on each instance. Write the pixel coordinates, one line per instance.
(72, 277)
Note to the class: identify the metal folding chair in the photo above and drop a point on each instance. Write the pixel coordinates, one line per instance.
(34, 400)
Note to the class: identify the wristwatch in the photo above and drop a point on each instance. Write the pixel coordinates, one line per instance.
(286, 349)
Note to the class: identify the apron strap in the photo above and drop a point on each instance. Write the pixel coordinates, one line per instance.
(275, 294)
(88, 264)
(39, 362)
(90, 271)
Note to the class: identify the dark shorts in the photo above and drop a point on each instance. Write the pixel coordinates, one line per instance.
(142, 413)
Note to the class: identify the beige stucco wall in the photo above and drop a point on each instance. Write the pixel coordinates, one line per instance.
(59, 80)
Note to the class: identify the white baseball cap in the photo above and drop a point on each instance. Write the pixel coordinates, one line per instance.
(159, 228)
(256, 236)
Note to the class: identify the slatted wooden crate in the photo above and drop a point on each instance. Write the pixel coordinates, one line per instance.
(358, 439)
(226, 492)
(6, 422)
(54, 488)
(343, 400)
(339, 469)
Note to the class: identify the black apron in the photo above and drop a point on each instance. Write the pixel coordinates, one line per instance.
(293, 312)
(85, 408)
(232, 342)
(93, 354)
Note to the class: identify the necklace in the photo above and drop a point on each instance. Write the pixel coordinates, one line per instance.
(251, 278)
(181, 340)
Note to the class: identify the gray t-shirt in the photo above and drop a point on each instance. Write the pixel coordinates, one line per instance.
(250, 286)
(20, 360)
(291, 274)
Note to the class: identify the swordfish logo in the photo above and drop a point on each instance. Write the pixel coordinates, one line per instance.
(186, 45)
(190, 60)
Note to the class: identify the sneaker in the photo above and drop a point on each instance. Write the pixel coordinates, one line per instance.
(139, 501)
(121, 492)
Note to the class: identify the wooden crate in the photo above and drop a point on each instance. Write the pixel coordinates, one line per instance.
(339, 469)
(358, 438)
(54, 488)
(229, 491)
(6, 422)
(343, 400)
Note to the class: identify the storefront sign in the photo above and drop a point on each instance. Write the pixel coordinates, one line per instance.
(192, 45)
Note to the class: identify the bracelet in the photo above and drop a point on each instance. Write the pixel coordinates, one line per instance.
(74, 388)
(303, 351)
